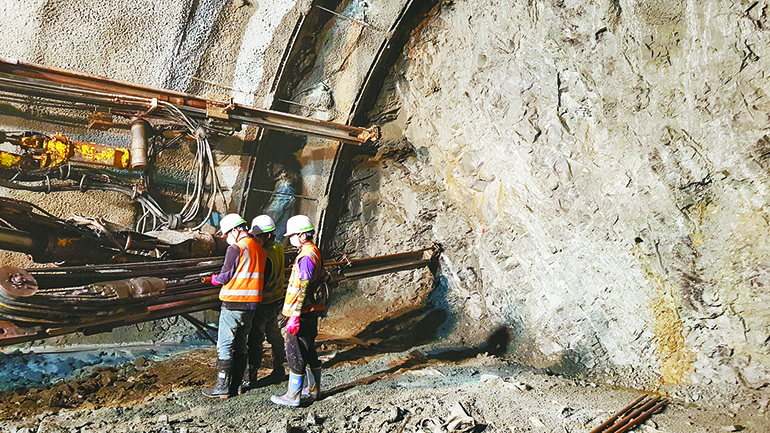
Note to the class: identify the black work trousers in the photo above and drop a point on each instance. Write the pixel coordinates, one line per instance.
(300, 348)
(265, 323)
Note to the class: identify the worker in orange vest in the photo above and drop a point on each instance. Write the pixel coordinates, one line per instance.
(265, 322)
(241, 279)
(302, 312)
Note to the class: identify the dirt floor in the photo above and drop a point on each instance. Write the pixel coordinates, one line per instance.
(366, 389)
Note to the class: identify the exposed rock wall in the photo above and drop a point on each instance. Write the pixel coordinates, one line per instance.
(597, 173)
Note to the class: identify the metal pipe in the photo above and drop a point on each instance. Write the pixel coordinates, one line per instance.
(623, 421)
(139, 130)
(15, 240)
(643, 416)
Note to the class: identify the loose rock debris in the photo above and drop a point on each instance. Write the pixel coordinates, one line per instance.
(391, 393)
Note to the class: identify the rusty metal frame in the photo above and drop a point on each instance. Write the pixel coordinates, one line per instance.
(35, 80)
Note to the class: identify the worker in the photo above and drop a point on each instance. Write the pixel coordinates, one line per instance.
(302, 313)
(266, 317)
(241, 279)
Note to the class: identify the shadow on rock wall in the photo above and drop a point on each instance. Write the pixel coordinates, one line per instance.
(276, 170)
(418, 326)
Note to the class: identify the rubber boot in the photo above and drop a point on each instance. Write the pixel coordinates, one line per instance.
(291, 398)
(249, 378)
(239, 367)
(224, 379)
(312, 388)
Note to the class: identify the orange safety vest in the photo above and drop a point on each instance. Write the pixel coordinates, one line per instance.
(293, 291)
(246, 285)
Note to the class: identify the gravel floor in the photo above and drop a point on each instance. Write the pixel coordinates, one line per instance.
(424, 390)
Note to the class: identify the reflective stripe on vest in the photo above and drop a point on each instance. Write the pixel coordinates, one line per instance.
(246, 284)
(293, 291)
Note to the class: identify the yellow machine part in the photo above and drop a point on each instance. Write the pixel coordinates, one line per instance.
(57, 152)
(117, 157)
(58, 149)
(8, 160)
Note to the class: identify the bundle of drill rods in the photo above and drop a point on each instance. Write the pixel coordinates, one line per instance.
(633, 414)
(66, 297)
(63, 302)
(80, 275)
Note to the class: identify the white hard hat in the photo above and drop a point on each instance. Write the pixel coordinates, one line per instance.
(264, 222)
(230, 221)
(298, 224)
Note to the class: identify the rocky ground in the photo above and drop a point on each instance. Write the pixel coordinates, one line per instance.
(429, 389)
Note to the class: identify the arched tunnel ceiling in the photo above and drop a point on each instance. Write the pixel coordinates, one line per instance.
(596, 172)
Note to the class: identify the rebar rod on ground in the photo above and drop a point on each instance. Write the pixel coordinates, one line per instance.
(631, 415)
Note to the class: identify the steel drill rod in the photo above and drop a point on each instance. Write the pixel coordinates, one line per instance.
(127, 267)
(373, 266)
(124, 320)
(15, 334)
(184, 296)
(184, 293)
(83, 275)
(49, 309)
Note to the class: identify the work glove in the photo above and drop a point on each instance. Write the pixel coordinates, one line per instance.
(214, 279)
(292, 326)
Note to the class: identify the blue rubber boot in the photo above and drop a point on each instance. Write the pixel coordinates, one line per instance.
(312, 388)
(292, 396)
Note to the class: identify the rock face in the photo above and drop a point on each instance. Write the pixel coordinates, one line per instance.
(597, 173)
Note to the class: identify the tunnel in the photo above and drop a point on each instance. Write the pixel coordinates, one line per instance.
(558, 206)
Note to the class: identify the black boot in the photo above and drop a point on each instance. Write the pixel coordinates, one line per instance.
(249, 378)
(278, 372)
(224, 379)
(239, 367)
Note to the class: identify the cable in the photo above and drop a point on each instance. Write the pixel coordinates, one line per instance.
(153, 217)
